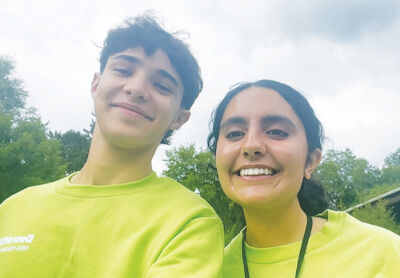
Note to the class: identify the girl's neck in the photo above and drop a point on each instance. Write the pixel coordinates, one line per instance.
(274, 227)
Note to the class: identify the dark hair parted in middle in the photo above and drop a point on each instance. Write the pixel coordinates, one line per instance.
(144, 31)
(311, 195)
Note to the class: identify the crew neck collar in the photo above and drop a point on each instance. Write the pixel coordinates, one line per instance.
(65, 187)
(291, 250)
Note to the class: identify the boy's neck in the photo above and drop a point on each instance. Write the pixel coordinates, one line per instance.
(107, 164)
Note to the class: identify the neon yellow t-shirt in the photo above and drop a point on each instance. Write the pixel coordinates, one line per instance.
(345, 247)
(153, 227)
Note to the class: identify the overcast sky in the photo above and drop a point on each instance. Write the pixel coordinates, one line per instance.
(343, 55)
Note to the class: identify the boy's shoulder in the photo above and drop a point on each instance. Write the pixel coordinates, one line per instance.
(159, 190)
(31, 193)
(181, 195)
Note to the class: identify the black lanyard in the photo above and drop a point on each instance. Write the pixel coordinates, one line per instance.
(303, 248)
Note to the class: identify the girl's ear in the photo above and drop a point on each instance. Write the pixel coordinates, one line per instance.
(313, 161)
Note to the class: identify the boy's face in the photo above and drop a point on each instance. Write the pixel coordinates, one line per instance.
(137, 99)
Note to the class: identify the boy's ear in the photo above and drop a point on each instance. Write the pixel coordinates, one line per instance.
(182, 117)
(313, 161)
(95, 84)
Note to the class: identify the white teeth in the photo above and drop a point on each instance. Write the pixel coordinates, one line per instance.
(255, 172)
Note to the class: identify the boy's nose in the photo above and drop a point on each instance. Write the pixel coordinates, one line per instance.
(137, 87)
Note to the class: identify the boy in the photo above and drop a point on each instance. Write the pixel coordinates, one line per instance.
(115, 217)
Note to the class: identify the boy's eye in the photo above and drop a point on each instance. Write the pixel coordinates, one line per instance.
(277, 134)
(123, 72)
(234, 135)
(163, 87)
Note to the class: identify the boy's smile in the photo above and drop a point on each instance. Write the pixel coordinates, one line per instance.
(131, 109)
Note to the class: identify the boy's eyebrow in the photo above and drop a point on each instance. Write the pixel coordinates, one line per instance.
(128, 58)
(233, 121)
(134, 60)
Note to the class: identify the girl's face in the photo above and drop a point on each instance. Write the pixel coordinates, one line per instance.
(261, 154)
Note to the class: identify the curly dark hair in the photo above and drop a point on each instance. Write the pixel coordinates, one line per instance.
(144, 31)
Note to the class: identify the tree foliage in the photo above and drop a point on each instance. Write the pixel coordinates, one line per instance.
(393, 160)
(27, 155)
(378, 190)
(193, 168)
(74, 148)
(378, 214)
(30, 154)
(12, 94)
(345, 177)
(391, 168)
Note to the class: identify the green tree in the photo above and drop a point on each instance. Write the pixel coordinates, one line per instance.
(193, 168)
(391, 169)
(390, 175)
(378, 214)
(345, 177)
(393, 160)
(74, 148)
(378, 190)
(27, 155)
(12, 94)
(5, 126)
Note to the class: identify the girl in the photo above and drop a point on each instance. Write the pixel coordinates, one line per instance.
(267, 142)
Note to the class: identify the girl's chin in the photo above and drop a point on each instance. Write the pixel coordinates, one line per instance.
(257, 200)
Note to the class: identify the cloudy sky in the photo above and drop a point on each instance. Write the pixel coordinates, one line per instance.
(343, 55)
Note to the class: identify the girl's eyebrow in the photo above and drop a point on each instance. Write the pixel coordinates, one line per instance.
(233, 121)
(265, 120)
(278, 119)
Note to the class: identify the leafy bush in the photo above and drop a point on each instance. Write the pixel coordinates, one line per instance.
(378, 214)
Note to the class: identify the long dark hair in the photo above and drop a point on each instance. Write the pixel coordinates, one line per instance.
(311, 195)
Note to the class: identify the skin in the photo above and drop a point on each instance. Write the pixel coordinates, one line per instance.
(137, 100)
(259, 129)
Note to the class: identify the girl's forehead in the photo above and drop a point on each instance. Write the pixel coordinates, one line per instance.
(260, 105)
(258, 101)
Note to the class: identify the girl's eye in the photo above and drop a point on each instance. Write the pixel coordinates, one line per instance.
(277, 134)
(234, 135)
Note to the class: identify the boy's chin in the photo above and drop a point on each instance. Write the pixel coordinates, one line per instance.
(132, 142)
